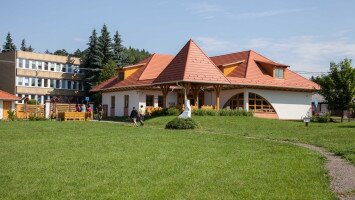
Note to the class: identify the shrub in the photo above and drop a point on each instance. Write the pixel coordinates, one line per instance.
(36, 118)
(32, 102)
(321, 118)
(12, 115)
(222, 112)
(166, 112)
(180, 123)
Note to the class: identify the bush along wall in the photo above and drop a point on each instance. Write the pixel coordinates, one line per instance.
(166, 112)
(180, 123)
(222, 112)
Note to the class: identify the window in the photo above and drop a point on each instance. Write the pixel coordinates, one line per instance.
(80, 86)
(120, 76)
(52, 83)
(70, 68)
(33, 82)
(69, 85)
(58, 67)
(113, 103)
(57, 84)
(45, 81)
(19, 81)
(126, 101)
(75, 85)
(20, 63)
(259, 104)
(149, 100)
(160, 101)
(27, 64)
(26, 81)
(40, 65)
(63, 84)
(46, 66)
(64, 68)
(236, 101)
(279, 72)
(33, 64)
(52, 66)
(39, 82)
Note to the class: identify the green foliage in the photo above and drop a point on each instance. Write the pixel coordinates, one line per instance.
(105, 45)
(24, 46)
(321, 118)
(135, 55)
(166, 112)
(8, 45)
(12, 115)
(32, 102)
(33, 117)
(180, 123)
(222, 112)
(109, 70)
(119, 54)
(78, 53)
(61, 52)
(338, 87)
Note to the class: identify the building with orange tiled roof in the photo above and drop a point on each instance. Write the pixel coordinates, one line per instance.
(7, 102)
(245, 80)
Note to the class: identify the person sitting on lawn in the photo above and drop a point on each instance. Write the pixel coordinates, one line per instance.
(141, 113)
(134, 116)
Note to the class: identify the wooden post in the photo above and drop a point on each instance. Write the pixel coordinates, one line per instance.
(195, 91)
(165, 91)
(217, 89)
(187, 87)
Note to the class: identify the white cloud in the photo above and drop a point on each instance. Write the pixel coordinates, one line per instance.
(205, 10)
(212, 44)
(271, 13)
(302, 53)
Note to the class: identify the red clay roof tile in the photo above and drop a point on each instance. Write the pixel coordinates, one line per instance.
(7, 96)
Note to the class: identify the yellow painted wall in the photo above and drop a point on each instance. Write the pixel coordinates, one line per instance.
(129, 72)
(229, 69)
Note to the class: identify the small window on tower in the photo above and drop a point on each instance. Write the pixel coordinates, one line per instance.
(279, 72)
(120, 76)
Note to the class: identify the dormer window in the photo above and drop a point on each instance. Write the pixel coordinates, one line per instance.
(279, 72)
(120, 76)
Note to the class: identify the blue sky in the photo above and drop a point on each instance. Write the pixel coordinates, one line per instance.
(306, 34)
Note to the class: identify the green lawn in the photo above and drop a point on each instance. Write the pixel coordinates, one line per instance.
(88, 160)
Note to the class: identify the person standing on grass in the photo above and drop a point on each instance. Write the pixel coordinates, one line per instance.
(141, 113)
(134, 116)
(100, 111)
(83, 108)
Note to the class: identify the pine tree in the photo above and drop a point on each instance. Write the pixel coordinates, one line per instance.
(78, 53)
(30, 49)
(119, 53)
(23, 45)
(61, 52)
(105, 45)
(109, 70)
(47, 52)
(9, 45)
(93, 56)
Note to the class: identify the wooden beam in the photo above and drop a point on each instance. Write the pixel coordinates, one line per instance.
(165, 91)
(195, 91)
(217, 89)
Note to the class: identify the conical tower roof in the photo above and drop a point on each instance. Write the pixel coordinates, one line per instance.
(191, 64)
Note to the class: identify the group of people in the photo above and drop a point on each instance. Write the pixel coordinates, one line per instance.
(83, 108)
(138, 115)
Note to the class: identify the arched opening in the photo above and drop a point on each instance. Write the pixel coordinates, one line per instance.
(259, 104)
(237, 101)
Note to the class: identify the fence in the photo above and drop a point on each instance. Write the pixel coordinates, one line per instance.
(24, 111)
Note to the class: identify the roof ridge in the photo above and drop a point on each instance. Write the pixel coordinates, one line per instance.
(247, 64)
(230, 53)
(211, 61)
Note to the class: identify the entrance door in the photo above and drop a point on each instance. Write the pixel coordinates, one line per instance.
(126, 104)
(113, 105)
(6, 107)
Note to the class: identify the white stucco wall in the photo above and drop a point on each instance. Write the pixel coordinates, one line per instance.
(288, 105)
(136, 99)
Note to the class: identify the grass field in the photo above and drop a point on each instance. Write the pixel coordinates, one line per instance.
(88, 160)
